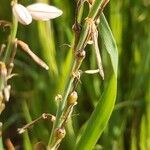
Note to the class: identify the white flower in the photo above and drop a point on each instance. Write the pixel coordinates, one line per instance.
(22, 14)
(44, 12)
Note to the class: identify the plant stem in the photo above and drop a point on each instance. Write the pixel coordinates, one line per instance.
(92, 14)
(11, 39)
(95, 8)
(84, 33)
(60, 109)
(6, 59)
(1, 142)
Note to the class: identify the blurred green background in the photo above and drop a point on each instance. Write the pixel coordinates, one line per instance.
(34, 89)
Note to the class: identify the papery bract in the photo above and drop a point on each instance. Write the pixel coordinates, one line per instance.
(44, 12)
(22, 14)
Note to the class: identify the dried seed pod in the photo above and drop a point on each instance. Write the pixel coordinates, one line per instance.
(80, 55)
(72, 98)
(60, 133)
(49, 116)
(44, 12)
(53, 118)
(22, 14)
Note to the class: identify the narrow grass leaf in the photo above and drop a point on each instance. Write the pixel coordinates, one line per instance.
(99, 117)
(104, 108)
(109, 42)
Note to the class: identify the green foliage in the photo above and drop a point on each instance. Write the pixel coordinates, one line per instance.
(34, 90)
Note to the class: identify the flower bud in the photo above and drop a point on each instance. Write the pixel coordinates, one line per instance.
(60, 133)
(22, 14)
(72, 98)
(43, 12)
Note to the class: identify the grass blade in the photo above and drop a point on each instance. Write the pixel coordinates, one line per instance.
(104, 108)
(109, 42)
(99, 117)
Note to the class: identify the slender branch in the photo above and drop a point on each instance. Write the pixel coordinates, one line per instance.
(44, 116)
(11, 39)
(76, 65)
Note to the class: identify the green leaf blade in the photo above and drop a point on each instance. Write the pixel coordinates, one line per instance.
(99, 117)
(103, 110)
(109, 42)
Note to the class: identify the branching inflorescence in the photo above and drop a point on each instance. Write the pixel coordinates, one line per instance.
(87, 34)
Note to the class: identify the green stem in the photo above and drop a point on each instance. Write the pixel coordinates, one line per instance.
(61, 108)
(1, 144)
(11, 39)
(93, 12)
(1, 141)
(6, 58)
(95, 8)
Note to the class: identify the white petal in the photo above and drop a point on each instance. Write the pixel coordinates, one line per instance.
(44, 12)
(22, 14)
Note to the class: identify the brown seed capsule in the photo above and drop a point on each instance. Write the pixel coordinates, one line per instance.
(72, 98)
(60, 133)
(81, 55)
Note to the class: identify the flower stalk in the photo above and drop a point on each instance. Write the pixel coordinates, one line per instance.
(11, 39)
(78, 50)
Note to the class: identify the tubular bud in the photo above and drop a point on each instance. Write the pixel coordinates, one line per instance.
(43, 12)
(22, 14)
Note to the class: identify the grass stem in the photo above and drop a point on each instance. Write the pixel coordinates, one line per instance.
(11, 39)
